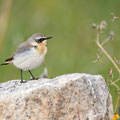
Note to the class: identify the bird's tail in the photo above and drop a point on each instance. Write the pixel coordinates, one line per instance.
(7, 61)
(4, 63)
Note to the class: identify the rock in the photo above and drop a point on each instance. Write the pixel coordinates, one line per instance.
(67, 97)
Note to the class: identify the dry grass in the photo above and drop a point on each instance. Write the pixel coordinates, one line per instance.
(4, 18)
(100, 29)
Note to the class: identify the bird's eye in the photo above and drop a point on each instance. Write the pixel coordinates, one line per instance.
(35, 46)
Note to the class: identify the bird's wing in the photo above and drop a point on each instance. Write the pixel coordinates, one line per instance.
(23, 47)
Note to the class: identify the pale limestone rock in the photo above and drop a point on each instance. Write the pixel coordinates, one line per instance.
(67, 97)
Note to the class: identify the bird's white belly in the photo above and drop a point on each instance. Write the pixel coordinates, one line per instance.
(29, 60)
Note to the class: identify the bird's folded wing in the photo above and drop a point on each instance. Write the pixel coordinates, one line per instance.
(23, 47)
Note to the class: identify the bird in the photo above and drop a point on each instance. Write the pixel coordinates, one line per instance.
(29, 54)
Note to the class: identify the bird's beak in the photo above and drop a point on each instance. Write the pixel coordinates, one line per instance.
(48, 38)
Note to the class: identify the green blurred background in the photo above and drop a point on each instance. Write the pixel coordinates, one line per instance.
(73, 47)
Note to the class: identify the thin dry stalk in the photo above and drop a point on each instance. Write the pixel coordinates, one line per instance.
(4, 17)
(117, 103)
(112, 83)
(112, 61)
(115, 81)
(105, 52)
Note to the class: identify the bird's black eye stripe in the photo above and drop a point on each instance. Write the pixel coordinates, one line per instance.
(40, 40)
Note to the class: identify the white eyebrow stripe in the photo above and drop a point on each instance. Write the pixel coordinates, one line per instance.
(38, 37)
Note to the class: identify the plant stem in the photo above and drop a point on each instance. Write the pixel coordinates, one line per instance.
(106, 53)
(117, 103)
(112, 61)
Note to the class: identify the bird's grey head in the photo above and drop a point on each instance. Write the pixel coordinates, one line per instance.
(38, 38)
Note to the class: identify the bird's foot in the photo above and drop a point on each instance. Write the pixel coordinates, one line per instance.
(23, 81)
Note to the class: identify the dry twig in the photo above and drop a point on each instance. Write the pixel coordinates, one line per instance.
(99, 30)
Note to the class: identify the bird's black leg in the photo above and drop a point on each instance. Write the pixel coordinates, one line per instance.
(31, 74)
(21, 77)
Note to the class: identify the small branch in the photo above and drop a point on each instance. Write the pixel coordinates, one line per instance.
(106, 53)
(110, 37)
(99, 29)
(105, 41)
(117, 103)
(115, 17)
(112, 61)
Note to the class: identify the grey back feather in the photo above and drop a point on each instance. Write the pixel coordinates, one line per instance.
(23, 47)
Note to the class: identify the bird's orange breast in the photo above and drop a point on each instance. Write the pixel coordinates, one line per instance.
(40, 48)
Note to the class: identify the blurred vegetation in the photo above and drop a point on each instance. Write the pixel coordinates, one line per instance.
(73, 47)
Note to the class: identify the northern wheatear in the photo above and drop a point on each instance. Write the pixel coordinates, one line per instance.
(30, 54)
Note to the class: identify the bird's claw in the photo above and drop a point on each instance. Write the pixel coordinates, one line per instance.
(23, 81)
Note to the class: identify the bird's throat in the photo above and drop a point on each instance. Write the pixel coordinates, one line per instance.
(40, 48)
